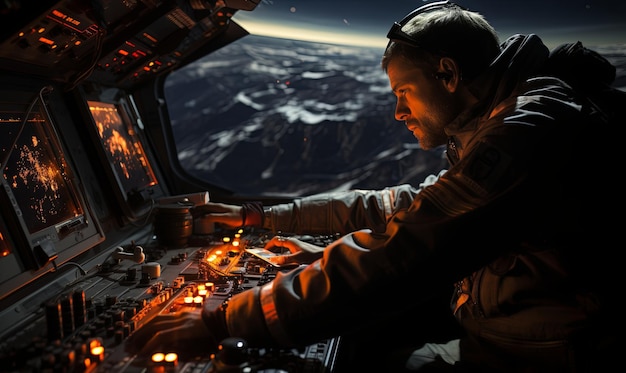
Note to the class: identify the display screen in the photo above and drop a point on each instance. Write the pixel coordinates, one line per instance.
(46, 220)
(36, 173)
(122, 147)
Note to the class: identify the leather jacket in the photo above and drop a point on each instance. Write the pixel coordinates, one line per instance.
(503, 227)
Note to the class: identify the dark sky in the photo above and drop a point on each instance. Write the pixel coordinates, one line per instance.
(595, 22)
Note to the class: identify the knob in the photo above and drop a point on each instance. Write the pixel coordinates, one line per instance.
(232, 352)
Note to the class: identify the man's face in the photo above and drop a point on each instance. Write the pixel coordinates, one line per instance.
(424, 103)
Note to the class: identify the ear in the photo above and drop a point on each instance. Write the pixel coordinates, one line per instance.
(449, 73)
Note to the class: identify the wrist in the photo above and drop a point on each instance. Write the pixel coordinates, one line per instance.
(215, 321)
(267, 217)
(252, 214)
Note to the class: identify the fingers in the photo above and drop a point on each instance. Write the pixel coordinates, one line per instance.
(303, 257)
(140, 338)
(169, 331)
(221, 213)
(181, 339)
(282, 242)
(299, 252)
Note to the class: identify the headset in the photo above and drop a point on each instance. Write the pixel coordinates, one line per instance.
(396, 34)
(471, 57)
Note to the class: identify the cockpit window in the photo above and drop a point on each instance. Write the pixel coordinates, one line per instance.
(302, 106)
(286, 117)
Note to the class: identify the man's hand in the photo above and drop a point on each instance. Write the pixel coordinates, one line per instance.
(300, 252)
(184, 333)
(221, 213)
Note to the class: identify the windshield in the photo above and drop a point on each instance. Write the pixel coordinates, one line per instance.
(302, 106)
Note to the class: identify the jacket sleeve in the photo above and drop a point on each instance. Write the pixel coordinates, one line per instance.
(343, 290)
(358, 272)
(342, 212)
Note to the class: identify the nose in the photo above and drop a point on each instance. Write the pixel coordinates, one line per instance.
(402, 111)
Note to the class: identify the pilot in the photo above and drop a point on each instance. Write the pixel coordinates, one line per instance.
(502, 263)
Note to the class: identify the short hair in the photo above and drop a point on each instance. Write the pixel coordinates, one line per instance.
(454, 32)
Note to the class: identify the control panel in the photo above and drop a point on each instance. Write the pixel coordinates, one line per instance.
(84, 329)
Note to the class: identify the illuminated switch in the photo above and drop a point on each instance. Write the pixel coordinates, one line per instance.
(164, 362)
(210, 286)
(96, 350)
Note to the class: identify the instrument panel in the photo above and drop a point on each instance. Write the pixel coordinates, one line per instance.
(84, 329)
(116, 42)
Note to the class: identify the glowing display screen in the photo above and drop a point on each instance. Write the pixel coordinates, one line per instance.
(122, 147)
(36, 173)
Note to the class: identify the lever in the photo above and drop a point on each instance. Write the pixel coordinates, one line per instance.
(136, 256)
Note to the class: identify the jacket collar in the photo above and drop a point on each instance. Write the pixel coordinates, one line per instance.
(522, 56)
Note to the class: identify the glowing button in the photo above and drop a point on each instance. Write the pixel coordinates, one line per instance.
(171, 357)
(158, 357)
